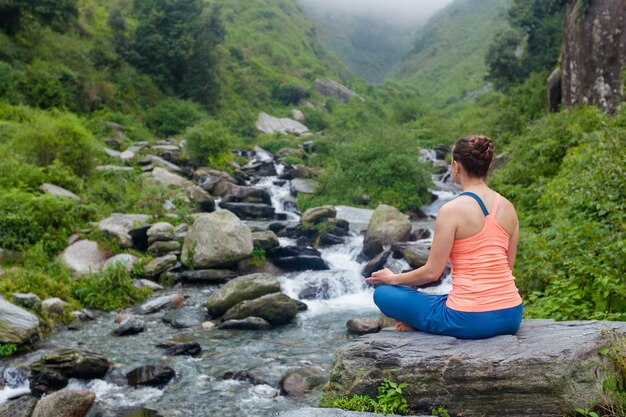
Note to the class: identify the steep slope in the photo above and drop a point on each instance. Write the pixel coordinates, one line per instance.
(448, 59)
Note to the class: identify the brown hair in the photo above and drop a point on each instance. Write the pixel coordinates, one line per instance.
(474, 152)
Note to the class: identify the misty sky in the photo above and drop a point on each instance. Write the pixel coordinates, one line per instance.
(400, 10)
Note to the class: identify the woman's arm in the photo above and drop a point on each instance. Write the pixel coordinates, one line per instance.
(512, 251)
(445, 229)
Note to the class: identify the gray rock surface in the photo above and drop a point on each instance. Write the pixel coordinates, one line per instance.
(240, 289)
(159, 265)
(17, 325)
(415, 253)
(215, 240)
(302, 185)
(160, 303)
(163, 176)
(276, 309)
(130, 326)
(301, 381)
(65, 403)
(363, 325)
(58, 191)
(317, 214)
(119, 225)
(270, 124)
(331, 88)
(389, 225)
(161, 231)
(84, 257)
(515, 376)
(21, 407)
(125, 259)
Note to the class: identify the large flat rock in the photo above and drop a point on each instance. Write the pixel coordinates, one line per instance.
(549, 368)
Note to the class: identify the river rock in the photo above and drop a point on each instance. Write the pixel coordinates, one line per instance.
(17, 326)
(119, 225)
(65, 403)
(375, 264)
(183, 349)
(207, 276)
(143, 283)
(150, 375)
(161, 303)
(58, 191)
(334, 89)
(215, 240)
(203, 198)
(159, 265)
(29, 300)
(250, 211)
(276, 309)
(161, 231)
(84, 257)
(415, 253)
(54, 306)
(260, 168)
(249, 323)
(295, 258)
(184, 318)
(246, 376)
(518, 376)
(241, 194)
(163, 176)
(363, 325)
(318, 214)
(51, 372)
(265, 240)
(270, 124)
(243, 288)
(388, 225)
(125, 259)
(303, 185)
(129, 326)
(301, 381)
(21, 407)
(162, 248)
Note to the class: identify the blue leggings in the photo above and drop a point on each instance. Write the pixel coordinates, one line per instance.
(429, 313)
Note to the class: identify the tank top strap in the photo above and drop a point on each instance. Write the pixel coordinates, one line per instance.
(496, 200)
(478, 200)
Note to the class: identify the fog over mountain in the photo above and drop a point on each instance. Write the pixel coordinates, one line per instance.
(400, 11)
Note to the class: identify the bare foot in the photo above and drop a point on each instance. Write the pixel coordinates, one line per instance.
(403, 327)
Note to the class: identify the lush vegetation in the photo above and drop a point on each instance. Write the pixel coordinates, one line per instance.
(390, 400)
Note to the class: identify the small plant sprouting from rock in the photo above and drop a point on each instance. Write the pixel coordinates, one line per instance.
(440, 411)
(257, 259)
(390, 400)
(7, 349)
(613, 377)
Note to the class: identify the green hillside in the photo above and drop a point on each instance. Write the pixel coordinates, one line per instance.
(448, 57)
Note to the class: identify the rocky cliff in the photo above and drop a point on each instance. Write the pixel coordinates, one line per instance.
(594, 53)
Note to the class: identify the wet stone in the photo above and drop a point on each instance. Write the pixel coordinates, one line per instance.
(21, 407)
(150, 375)
(249, 323)
(130, 326)
(182, 348)
(184, 318)
(363, 325)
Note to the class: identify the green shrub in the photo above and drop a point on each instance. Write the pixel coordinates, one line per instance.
(172, 116)
(291, 93)
(257, 259)
(110, 290)
(209, 141)
(315, 119)
(390, 400)
(7, 349)
(292, 160)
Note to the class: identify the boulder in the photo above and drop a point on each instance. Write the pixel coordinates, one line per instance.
(129, 326)
(298, 115)
(270, 124)
(303, 185)
(17, 326)
(331, 88)
(203, 198)
(84, 257)
(58, 191)
(388, 225)
(161, 231)
(29, 300)
(265, 240)
(119, 226)
(161, 247)
(415, 253)
(260, 168)
(150, 375)
(51, 372)
(185, 318)
(318, 214)
(65, 403)
(301, 381)
(159, 265)
(240, 289)
(163, 176)
(547, 368)
(249, 323)
(54, 306)
(125, 259)
(215, 240)
(21, 407)
(207, 276)
(160, 303)
(375, 264)
(296, 258)
(241, 194)
(250, 211)
(363, 325)
(276, 309)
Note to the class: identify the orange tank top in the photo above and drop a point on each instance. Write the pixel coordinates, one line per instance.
(481, 277)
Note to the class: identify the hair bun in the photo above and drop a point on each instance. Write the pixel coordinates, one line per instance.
(481, 147)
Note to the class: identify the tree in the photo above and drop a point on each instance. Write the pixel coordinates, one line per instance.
(58, 14)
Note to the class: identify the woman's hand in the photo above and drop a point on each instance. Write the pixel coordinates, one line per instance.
(383, 276)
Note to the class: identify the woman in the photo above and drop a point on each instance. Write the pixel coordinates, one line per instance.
(478, 232)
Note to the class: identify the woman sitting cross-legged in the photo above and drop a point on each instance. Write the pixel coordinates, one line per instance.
(478, 232)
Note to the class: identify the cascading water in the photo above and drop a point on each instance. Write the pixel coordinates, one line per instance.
(199, 389)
